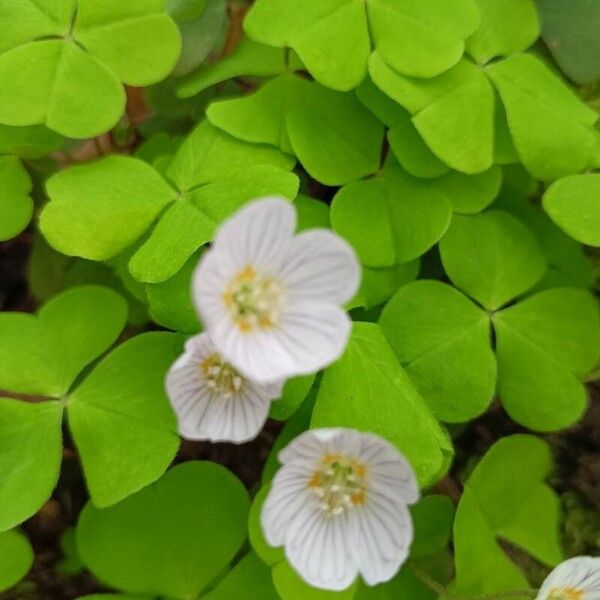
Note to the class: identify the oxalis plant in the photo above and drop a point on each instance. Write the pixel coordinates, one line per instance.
(298, 299)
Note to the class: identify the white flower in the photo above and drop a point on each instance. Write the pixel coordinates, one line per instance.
(212, 400)
(339, 506)
(271, 300)
(575, 579)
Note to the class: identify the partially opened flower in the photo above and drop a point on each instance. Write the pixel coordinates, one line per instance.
(575, 579)
(339, 507)
(212, 400)
(271, 300)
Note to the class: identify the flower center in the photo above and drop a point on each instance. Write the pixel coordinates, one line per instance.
(220, 376)
(565, 594)
(339, 483)
(253, 300)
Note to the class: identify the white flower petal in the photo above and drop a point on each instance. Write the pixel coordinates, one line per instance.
(321, 267)
(308, 338)
(382, 535)
(580, 574)
(289, 495)
(204, 413)
(319, 550)
(259, 234)
(339, 506)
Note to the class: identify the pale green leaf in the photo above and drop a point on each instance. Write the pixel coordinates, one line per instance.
(331, 37)
(43, 354)
(573, 203)
(505, 487)
(421, 39)
(507, 27)
(121, 419)
(493, 257)
(406, 215)
(100, 208)
(16, 206)
(16, 558)
(432, 328)
(268, 554)
(170, 539)
(30, 457)
(369, 375)
(551, 128)
(471, 193)
(339, 154)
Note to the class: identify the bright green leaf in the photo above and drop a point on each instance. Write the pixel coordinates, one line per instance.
(507, 27)
(331, 37)
(43, 354)
(30, 457)
(433, 517)
(404, 214)
(98, 209)
(28, 142)
(432, 328)
(471, 193)
(268, 554)
(493, 257)
(339, 153)
(16, 558)
(170, 539)
(121, 419)
(294, 392)
(544, 344)
(368, 375)
(506, 485)
(551, 128)
(573, 203)
(16, 206)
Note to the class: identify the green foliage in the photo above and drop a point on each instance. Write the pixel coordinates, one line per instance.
(505, 498)
(438, 137)
(154, 542)
(367, 375)
(16, 558)
(64, 64)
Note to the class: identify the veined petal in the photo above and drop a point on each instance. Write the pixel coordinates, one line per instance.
(382, 534)
(335, 511)
(580, 575)
(309, 337)
(259, 234)
(319, 549)
(211, 401)
(321, 267)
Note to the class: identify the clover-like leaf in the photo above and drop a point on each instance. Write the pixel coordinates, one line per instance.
(170, 539)
(573, 203)
(433, 517)
(492, 256)
(47, 57)
(406, 215)
(31, 450)
(369, 375)
(507, 498)
(551, 128)
(16, 558)
(99, 209)
(453, 112)
(121, 420)
(432, 328)
(290, 586)
(571, 34)
(498, 34)
(545, 344)
(471, 193)
(420, 40)
(43, 354)
(339, 154)
(16, 205)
